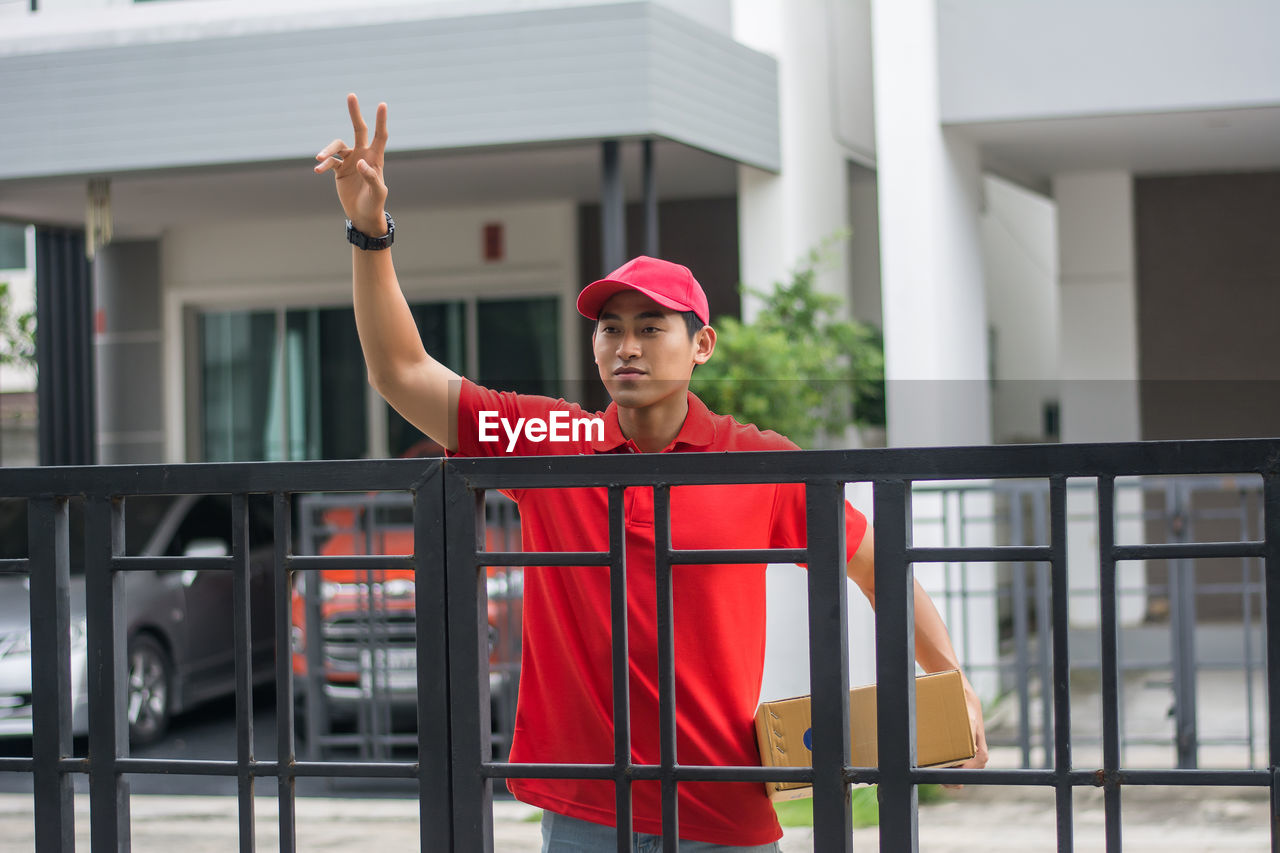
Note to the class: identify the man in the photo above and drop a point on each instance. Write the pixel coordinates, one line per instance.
(651, 331)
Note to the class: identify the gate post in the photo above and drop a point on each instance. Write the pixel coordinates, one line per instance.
(107, 648)
(435, 789)
(49, 559)
(895, 669)
(468, 692)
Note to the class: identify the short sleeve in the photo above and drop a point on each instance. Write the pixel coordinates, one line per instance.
(490, 423)
(788, 527)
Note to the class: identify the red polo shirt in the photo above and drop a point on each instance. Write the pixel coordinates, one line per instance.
(565, 709)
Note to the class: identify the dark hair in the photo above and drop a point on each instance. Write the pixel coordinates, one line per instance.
(692, 322)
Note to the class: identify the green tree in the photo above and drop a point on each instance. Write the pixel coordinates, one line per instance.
(17, 332)
(797, 368)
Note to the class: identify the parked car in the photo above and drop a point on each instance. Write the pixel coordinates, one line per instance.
(178, 624)
(368, 622)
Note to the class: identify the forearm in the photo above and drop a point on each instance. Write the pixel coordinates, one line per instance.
(934, 650)
(388, 335)
(417, 386)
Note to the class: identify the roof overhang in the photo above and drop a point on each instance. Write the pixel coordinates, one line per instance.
(1144, 87)
(210, 88)
(1032, 151)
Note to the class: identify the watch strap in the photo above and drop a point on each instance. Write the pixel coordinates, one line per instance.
(361, 240)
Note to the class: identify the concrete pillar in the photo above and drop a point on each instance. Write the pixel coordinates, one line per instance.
(1099, 359)
(781, 217)
(129, 353)
(933, 289)
(929, 183)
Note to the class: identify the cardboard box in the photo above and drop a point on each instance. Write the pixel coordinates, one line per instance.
(943, 737)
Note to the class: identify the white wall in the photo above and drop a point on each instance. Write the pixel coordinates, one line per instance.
(307, 261)
(935, 325)
(1020, 257)
(785, 215)
(864, 246)
(826, 122)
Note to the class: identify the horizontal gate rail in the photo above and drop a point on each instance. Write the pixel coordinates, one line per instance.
(454, 769)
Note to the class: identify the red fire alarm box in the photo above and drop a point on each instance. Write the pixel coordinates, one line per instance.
(493, 241)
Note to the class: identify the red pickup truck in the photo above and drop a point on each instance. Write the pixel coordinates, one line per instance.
(367, 622)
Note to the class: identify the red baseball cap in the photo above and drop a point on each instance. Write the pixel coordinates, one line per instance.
(670, 285)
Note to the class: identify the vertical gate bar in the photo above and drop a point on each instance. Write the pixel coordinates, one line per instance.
(368, 655)
(468, 658)
(1043, 622)
(242, 626)
(317, 719)
(895, 668)
(621, 668)
(1271, 578)
(666, 667)
(1246, 606)
(1020, 633)
(1183, 626)
(650, 177)
(966, 645)
(1185, 642)
(379, 642)
(435, 794)
(948, 606)
(49, 559)
(1061, 659)
(108, 724)
(286, 787)
(613, 209)
(1110, 660)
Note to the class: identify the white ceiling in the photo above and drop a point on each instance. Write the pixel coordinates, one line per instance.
(144, 204)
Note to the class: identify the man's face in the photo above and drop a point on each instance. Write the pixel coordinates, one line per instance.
(643, 350)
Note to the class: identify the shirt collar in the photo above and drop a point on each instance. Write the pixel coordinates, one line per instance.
(697, 431)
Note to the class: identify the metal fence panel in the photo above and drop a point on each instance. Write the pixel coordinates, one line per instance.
(454, 767)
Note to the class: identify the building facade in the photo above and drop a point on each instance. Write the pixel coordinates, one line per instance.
(1058, 213)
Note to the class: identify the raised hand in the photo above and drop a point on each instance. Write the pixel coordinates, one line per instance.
(358, 170)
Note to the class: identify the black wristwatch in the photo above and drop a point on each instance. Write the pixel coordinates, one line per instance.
(361, 240)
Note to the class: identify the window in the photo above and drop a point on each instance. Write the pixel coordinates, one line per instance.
(13, 246)
(520, 345)
(290, 383)
(281, 385)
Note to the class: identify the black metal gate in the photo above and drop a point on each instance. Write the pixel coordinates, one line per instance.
(454, 769)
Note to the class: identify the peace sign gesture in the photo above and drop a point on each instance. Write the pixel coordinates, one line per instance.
(357, 170)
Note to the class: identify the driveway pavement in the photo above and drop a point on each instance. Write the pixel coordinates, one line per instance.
(975, 819)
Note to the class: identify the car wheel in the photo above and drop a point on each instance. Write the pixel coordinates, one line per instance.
(148, 698)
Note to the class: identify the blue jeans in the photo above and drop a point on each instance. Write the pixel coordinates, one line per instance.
(562, 834)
